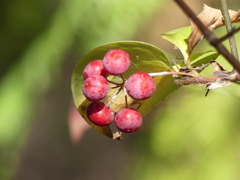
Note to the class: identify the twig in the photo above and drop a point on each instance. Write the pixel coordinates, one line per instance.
(229, 34)
(197, 80)
(205, 80)
(212, 39)
(168, 73)
(229, 28)
(228, 24)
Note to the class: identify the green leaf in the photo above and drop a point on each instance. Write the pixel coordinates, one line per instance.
(144, 58)
(199, 59)
(179, 37)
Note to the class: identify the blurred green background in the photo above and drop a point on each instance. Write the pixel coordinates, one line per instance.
(188, 136)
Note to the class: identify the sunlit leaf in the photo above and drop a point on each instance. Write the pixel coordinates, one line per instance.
(144, 58)
(179, 37)
(199, 59)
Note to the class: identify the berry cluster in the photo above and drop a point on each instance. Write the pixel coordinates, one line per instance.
(138, 86)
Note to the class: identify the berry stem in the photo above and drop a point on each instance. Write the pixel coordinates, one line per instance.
(122, 78)
(169, 73)
(118, 84)
(114, 97)
(125, 95)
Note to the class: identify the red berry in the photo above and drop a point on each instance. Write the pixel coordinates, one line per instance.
(140, 86)
(94, 68)
(128, 120)
(95, 87)
(99, 114)
(116, 61)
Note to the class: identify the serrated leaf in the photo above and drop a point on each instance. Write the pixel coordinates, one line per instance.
(179, 37)
(144, 58)
(199, 59)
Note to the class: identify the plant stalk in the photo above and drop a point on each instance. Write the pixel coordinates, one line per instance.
(229, 28)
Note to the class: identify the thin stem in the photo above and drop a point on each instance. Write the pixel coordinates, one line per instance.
(228, 24)
(169, 73)
(125, 96)
(229, 28)
(229, 34)
(212, 39)
(117, 84)
(114, 97)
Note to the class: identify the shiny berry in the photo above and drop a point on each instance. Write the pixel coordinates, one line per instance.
(94, 68)
(95, 87)
(116, 61)
(140, 86)
(99, 114)
(128, 120)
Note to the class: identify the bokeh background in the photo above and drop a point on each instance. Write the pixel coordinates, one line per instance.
(188, 136)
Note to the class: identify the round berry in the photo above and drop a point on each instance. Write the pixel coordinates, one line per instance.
(99, 114)
(95, 87)
(128, 120)
(116, 61)
(94, 68)
(140, 86)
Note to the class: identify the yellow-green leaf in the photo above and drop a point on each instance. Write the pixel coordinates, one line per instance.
(203, 58)
(179, 37)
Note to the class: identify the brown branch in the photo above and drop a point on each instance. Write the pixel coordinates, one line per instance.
(212, 39)
(229, 34)
(197, 80)
(207, 80)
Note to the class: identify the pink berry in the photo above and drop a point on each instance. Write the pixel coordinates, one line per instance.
(95, 87)
(94, 68)
(99, 114)
(128, 120)
(140, 86)
(116, 61)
